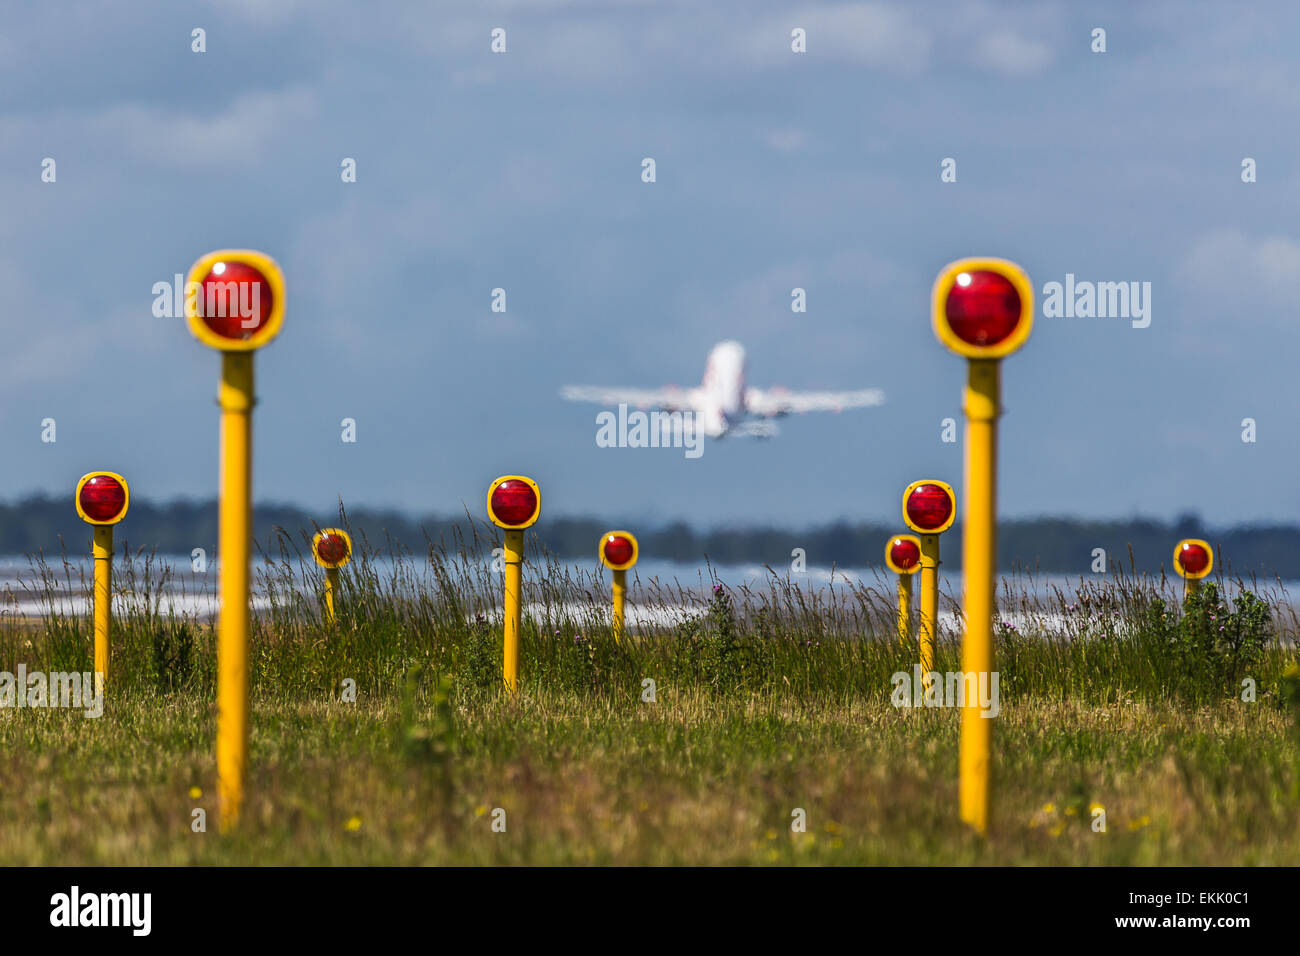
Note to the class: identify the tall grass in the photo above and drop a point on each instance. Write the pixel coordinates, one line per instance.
(770, 696)
(437, 613)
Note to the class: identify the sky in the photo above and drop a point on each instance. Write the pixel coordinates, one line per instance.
(775, 170)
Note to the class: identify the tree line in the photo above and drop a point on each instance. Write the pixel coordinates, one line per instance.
(1055, 545)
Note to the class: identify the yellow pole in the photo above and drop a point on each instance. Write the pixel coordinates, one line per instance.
(1193, 586)
(331, 584)
(233, 544)
(979, 534)
(929, 601)
(514, 561)
(904, 608)
(103, 551)
(620, 591)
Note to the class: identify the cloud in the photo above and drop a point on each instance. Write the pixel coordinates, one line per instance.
(757, 305)
(1228, 265)
(262, 12)
(786, 140)
(864, 34)
(241, 134)
(1006, 51)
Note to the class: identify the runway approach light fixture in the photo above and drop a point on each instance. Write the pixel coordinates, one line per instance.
(618, 552)
(903, 557)
(982, 309)
(102, 499)
(332, 548)
(236, 306)
(1193, 559)
(514, 502)
(929, 508)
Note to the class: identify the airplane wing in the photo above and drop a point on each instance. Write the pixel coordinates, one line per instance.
(774, 402)
(669, 399)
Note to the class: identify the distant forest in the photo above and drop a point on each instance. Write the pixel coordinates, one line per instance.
(1057, 545)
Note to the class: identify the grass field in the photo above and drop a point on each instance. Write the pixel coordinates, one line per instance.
(765, 702)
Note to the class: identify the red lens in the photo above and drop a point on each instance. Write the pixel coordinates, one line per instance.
(103, 498)
(618, 549)
(904, 553)
(235, 299)
(983, 307)
(1193, 558)
(332, 548)
(513, 501)
(929, 507)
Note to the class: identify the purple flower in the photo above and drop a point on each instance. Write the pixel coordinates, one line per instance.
(717, 589)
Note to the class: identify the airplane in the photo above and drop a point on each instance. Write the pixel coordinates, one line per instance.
(722, 404)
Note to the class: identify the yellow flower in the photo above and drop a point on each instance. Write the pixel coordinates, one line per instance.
(353, 825)
(195, 793)
(1049, 808)
(480, 810)
(1056, 830)
(832, 827)
(770, 834)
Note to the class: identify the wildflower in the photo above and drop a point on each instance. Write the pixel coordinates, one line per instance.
(353, 825)
(195, 793)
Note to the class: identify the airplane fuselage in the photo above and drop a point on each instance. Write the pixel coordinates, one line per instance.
(723, 389)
